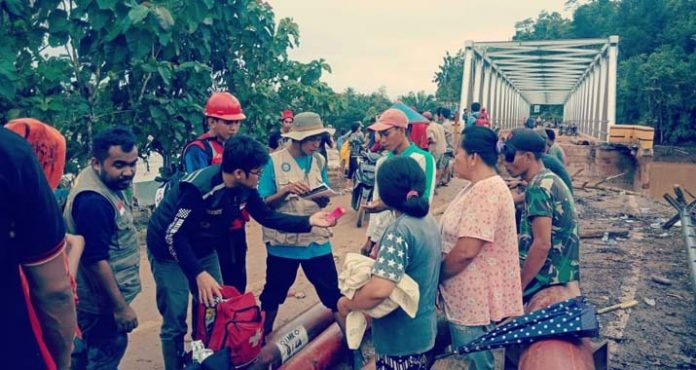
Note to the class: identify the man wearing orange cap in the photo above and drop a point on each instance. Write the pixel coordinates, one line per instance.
(276, 141)
(391, 127)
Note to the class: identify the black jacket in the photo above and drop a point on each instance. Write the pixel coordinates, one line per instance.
(194, 218)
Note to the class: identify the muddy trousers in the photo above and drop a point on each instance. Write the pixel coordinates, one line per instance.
(172, 294)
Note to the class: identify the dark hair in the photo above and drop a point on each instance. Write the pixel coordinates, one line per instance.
(355, 126)
(445, 112)
(482, 141)
(475, 106)
(114, 136)
(551, 134)
(397, 177)
(244, 153)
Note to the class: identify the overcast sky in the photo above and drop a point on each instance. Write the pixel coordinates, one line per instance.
(398, 44)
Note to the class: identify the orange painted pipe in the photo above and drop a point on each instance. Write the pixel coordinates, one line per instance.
(321, 353)
(290, 338)
(567, 354)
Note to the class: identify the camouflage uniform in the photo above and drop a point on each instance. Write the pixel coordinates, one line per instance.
(548, 196)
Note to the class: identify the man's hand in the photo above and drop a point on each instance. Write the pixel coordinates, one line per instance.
(366, 249)
(126, 319)
(208, 289)
(296, 188)
(343, 306)
(322, 219)
(322, 202)
(375, 206)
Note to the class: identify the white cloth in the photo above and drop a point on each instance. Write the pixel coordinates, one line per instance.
(357, 271)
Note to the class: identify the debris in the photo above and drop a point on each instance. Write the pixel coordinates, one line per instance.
(674, 296)
(597, 234)
(649, 301)
(619, 306)
(661, 280)
(663, 235)
(608, 179)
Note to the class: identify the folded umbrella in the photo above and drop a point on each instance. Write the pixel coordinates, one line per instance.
(572, 318)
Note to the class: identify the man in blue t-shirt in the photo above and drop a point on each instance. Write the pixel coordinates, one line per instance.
(292, 172)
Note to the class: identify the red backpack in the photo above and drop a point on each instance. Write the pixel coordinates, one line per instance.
(235, 323)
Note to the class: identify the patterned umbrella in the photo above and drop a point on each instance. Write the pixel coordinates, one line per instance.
(571, 318)
(412, 115)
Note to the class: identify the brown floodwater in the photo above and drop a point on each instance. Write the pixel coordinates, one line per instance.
(663, 176)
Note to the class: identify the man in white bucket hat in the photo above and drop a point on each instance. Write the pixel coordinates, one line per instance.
(291, 172)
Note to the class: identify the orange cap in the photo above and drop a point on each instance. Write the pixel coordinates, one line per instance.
(391, 117)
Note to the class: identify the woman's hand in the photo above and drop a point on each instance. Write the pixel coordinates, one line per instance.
(343, 306)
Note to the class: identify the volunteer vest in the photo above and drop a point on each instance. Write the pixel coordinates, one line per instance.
(124, 253)
(288, 171)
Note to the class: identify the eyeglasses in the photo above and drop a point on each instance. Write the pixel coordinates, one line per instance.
(257, 173)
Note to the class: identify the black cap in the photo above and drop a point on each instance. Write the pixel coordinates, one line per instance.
(526, 140)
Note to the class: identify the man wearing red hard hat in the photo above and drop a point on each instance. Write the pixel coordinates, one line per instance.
(223, 116)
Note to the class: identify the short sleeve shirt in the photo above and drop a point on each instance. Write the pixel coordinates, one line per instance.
(489, 288)
(410, 246)
(547, 196)
(32, 232)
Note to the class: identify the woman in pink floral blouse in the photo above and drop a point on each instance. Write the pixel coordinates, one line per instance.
(480, 276)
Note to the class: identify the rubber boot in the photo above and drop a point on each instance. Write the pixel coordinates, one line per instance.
(171, 355)
(268, 323)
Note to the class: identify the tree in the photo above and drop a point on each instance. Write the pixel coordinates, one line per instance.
(421, 100)
(449, 78)
(149, 66)
(548, 26)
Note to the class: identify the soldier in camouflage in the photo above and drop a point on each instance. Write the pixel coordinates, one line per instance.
(548, 240)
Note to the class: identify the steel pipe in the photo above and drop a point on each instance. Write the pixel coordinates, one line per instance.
(321, 353)
(290, 338)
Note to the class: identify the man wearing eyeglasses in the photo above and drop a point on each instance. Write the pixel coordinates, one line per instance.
(192, 223)
(292, 172)
(548, 240)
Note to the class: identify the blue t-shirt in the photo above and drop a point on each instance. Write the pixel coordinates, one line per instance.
(267, 187)
(409, 246)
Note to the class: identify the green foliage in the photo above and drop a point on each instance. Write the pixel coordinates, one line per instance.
(354, 106)
(421, 100)
(86, 65)
(449, 78)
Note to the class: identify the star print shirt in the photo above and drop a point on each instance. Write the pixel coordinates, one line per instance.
(409, 246)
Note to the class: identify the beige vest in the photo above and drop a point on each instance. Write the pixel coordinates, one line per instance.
(124, 252)
(287, 171)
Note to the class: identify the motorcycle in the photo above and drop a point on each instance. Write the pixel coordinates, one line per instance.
(364, 183)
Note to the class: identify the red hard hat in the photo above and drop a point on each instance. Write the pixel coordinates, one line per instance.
(286, 114)
(224, 105)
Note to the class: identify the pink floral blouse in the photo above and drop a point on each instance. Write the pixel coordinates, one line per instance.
(489, 288)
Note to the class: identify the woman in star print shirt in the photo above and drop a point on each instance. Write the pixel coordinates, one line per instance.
(480, 278)
(409, 246)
